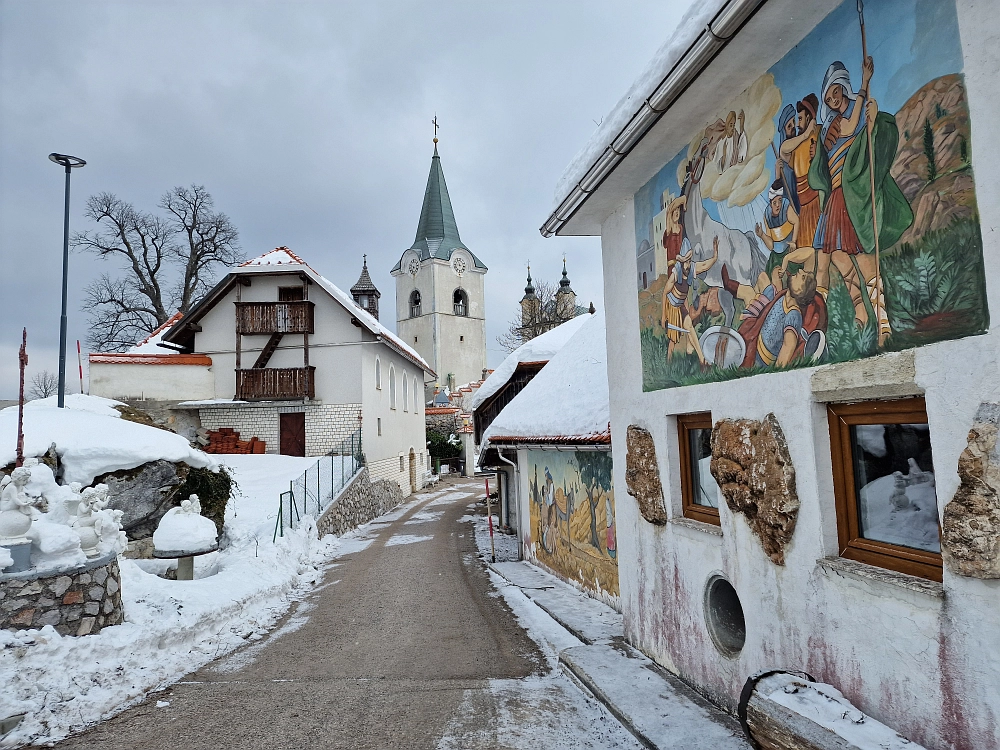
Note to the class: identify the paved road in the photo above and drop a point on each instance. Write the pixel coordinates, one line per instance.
(401, 646)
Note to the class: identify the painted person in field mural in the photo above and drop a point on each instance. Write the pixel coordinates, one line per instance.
(841, 229)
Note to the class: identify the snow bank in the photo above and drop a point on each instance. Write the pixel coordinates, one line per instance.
(5, 558)
(171, 627)
(569, 397)
(539, 349)
(91, 438)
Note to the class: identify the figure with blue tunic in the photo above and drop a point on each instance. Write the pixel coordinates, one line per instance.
(780, 231)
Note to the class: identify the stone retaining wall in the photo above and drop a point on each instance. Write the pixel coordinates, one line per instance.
(359, 502)
(79, 601)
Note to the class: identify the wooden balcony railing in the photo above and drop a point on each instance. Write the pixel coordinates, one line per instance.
(275, 383)
(274, 317)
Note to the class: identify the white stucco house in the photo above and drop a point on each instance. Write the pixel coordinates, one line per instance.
(277, 352)
(805, 398)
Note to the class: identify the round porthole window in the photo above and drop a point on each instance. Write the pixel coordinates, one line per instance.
(724, 617)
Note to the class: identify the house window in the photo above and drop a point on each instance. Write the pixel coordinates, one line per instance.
(392, 387)
(401, 467)
(289, 294)
(883, 481)
(414, 304)
(379, 426)
(414, 339)
(406, 392)
(461, 302)
(699, 492)
(644, 285)
(416, 398)
(378, 373)
(461, 338)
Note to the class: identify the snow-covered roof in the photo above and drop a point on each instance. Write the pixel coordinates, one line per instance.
(151, 344)
(280, 259)
(91, 438)
(539, 349)
(568, 400)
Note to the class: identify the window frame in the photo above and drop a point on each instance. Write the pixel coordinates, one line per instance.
(416, 401)
(689, 508)
(416, 304)
(378, 373)
(851, 544)
(406, 392)
(392, 387)
(460, 309)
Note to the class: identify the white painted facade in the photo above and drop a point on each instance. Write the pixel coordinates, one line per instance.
(923, 658)
(129, 381)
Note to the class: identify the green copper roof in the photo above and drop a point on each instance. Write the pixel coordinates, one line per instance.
(437, 231)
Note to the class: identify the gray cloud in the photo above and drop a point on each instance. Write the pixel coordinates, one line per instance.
(309, 122)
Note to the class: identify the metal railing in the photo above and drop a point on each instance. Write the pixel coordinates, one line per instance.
(312, 492)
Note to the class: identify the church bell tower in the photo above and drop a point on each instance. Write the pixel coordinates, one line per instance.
(440, 291)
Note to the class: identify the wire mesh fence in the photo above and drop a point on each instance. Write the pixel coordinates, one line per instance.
(311, 493)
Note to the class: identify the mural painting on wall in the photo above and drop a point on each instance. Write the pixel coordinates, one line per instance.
(572, 511)
(771, 242)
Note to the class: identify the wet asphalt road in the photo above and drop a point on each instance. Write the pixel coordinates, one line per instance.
(387, 650)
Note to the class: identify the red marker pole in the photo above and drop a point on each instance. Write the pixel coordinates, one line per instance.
(489, 515)
(79, 362)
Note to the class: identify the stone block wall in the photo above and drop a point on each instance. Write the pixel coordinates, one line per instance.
(327, 425)
(389, 470)
(361, 501)
(80, 601)
(445, 421)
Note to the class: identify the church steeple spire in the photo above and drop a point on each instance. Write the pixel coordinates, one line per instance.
(365, 293)
(437, 229)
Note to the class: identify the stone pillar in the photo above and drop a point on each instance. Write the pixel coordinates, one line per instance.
(469, 450)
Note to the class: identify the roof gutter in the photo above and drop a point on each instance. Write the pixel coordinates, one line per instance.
(716, 35)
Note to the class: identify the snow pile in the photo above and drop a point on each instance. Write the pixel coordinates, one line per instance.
(827, 707)
(171, 627)
(539, 349)
(698, 16)
(151, 344)
(91, 438)
(184, 529)
(569, 397)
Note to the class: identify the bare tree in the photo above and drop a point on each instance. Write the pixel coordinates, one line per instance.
(520, 330)
(167, 262)
(43, 385)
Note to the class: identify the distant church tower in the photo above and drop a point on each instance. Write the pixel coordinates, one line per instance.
(365, 292)
(440, 295)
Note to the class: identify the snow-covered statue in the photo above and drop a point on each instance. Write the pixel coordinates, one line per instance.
(185, 530)
(15, 507)
(72, 502)
(92, 500)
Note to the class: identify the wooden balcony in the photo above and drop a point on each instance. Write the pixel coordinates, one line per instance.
(275, 383)
(274, 317)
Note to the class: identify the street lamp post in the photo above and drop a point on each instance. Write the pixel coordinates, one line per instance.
(69, 163)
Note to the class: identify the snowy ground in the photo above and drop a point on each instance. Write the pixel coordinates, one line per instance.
(172, 627)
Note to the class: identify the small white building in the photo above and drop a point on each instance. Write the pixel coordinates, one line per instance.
(551, 446)
(806, 407)
(277, 352)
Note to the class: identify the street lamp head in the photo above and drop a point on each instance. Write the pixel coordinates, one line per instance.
(65, 160)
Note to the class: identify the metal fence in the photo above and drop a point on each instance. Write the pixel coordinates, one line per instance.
(312, 492)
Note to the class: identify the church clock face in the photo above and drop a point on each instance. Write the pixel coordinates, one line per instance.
(458, 264)
(413, 267)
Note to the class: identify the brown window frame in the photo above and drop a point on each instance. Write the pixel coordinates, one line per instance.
(689, 508)
(291, 294)
(852, 545)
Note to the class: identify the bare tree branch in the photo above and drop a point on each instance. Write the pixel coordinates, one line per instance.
(168, 262)
(43, 385)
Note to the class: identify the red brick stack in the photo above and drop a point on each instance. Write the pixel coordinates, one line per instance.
(227, 440)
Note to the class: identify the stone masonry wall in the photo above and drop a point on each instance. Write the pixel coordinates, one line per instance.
(80, 601)
(359, 502)
(444, 423)
(327, 425)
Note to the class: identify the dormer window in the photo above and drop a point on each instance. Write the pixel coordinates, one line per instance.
(461, 302)
(415, 304)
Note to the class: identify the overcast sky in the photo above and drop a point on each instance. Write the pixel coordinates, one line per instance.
(309, 123)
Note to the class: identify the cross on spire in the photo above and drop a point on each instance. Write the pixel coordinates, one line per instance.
(435, 123)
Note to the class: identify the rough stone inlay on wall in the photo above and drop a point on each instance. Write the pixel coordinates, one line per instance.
(359, 502)
(642, 474)
(970, 530)
(80, 601)
(751, 463)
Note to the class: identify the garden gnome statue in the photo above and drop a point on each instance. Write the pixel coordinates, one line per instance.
(15, 518)
(92, 500)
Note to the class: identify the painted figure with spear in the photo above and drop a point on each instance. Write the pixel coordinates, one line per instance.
(863, 210)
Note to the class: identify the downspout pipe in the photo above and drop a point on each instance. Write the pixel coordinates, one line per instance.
(716, 35)
(517, 493)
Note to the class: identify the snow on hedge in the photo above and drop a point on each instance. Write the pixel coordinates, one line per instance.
(569, 397)
(91, 438)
